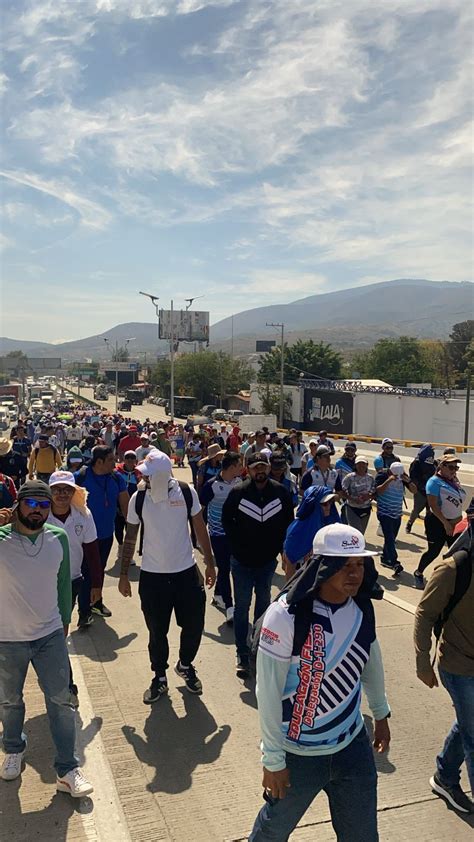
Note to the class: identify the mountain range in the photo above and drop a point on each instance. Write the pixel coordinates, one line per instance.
(349, 319)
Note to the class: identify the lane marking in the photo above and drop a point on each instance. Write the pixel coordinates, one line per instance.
(400, 603)
(107, 820)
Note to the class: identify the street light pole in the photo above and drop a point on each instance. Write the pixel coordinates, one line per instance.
(468, 400)
(172, 365)
(282, 367)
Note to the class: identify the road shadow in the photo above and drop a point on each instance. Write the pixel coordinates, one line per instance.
(382, 761)
(175, 746)
(100, 642)
(248, 694)
(51, 822)
(133, 570)
(225, 633)
(391, 583)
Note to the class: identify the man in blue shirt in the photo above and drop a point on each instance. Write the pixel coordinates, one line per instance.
(107, 492)
(390, 489)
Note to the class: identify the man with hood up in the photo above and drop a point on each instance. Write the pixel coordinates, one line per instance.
(449, 596)
(317, 509)
(420, 471)
(317, 647)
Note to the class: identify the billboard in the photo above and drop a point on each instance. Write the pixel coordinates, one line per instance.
(328, 410)
(188, 325)
(110, 365)
(264, 346)
(32, 363)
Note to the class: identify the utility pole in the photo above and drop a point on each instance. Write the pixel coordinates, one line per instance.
(232, 337)
(282, 367)
(107, 342)
(172, 365)
(468, 400)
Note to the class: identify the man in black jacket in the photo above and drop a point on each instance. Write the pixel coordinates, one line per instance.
(255, 518)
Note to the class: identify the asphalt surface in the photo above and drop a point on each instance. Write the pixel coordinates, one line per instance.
(188, 767)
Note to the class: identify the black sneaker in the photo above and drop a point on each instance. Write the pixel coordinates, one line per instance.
(453, 795)
(387, 564)
(191, 680)
(101, 609)
(84, 621)
(419, 580)
(408, 528)
(397, 569)
(157, 688)
(242, 667)
(74, 696)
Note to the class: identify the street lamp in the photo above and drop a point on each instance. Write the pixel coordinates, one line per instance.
(107, 342)
(190, 300)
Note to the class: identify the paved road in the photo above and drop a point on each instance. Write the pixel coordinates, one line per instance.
(188, 767)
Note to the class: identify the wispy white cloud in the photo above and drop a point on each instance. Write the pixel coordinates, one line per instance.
(91, 214)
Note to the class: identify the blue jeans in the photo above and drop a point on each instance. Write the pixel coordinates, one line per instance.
(459, 744)
(84, 598)
(390, 527)
(221, 550)
(51, 664)
(349, 780)
(245, 580)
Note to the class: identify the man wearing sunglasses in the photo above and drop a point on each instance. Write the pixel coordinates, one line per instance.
(444, 510)
(385, 459)
(35, 610)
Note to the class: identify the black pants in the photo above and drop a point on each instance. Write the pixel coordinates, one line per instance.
(120, 524)
(160, 594)
(436, 537)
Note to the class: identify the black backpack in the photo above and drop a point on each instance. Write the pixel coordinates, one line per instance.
(81, 474)
(188, 498)
(463, 560)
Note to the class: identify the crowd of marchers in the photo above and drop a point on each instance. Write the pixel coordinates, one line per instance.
(71, 491)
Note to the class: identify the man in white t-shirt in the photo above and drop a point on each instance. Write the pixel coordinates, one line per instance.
(169, 578)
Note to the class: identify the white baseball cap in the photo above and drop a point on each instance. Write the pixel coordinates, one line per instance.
(63, 478)
(156, 462)
(397, 468)
(337, 539)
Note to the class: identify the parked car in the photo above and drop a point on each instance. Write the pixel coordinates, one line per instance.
(234, 414)
(208, 409)
(125, 406)
(219, 415)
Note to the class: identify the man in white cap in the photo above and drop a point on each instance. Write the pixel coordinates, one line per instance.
(35, 611)
(317, 647)
(390, 487)
(69, 511)
(169, 578)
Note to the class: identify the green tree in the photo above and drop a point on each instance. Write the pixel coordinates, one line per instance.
(206, 375)
(270, 398)
(308, 357)
(397, 361)
(461, 348)
(120, 354)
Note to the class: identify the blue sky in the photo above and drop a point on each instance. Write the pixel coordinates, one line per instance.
(252, 151)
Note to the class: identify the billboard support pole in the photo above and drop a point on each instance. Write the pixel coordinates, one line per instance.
(172, 365)
(282, 368)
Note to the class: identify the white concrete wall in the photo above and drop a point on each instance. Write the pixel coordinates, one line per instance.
(294, 391)
(423, 419)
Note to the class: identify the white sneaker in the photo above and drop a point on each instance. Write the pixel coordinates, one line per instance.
(74, 783)
(229, 615)
(218, 602)
(11, 766)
